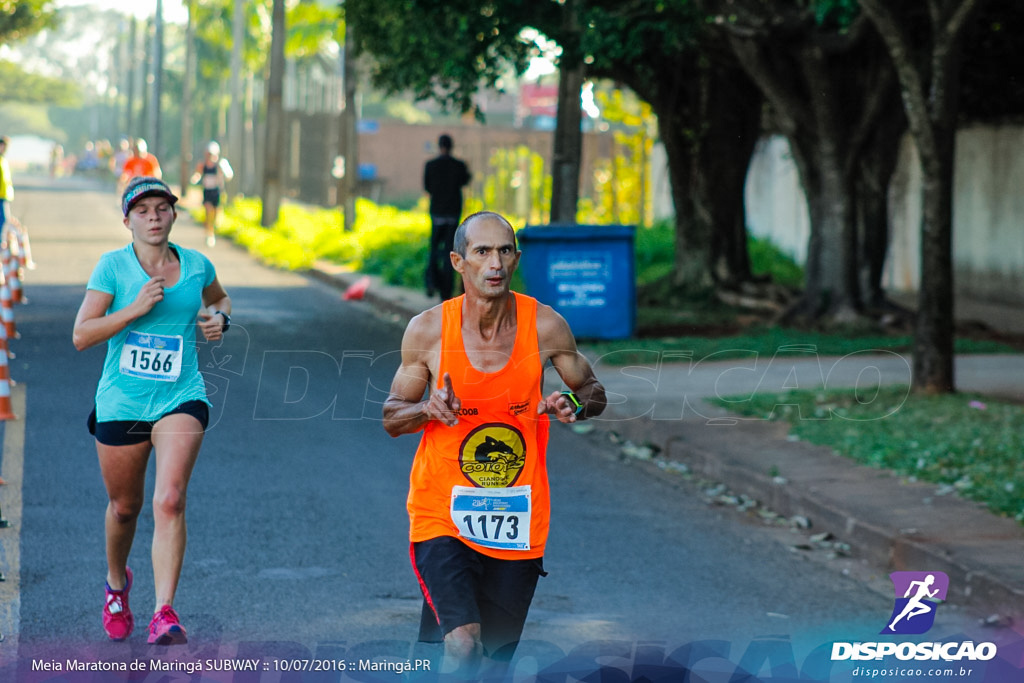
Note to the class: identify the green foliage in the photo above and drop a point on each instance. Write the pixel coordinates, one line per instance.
(621, 195)
(836, 13)
(20, 18)
(653, 249)
(446, 49)
(18, 85)
(966, 443)
(768, 259)
(385, 241)
(29, 119)
(639, 36)
(312, 27)
(517, 185)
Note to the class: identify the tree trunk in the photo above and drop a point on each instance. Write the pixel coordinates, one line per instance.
(274, 154)
(732, 115)
(568, 146)
(874, 175)
(692, 240)
(929, 75)
(708, 122)
(934, 330)
(568, 142)
(827, 92)
(830, 290)
(349, 137)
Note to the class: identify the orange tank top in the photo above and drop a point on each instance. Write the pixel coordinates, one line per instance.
(485, 480)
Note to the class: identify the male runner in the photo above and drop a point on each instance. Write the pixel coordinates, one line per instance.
(479, 500)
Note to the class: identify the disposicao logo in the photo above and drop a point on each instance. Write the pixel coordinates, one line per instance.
(917, 598)
(917, 595)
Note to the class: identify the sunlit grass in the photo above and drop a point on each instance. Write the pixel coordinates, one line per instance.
(382, 240)
(966, 444)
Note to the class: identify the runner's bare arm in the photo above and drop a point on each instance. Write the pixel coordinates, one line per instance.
(93, 325)
(405, 410)
(558, 345)
(215, 300)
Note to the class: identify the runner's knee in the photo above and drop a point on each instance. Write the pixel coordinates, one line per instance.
(125, 510)
(169, 501)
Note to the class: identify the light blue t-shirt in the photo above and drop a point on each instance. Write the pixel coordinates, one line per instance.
(152, 365)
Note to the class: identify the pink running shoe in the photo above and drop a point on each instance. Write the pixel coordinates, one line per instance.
(118, 621)
(165, 629)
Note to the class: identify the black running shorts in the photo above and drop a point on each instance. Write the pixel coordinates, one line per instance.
(131, 432)
(462, 586)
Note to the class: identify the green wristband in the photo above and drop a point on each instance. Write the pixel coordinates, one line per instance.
(575, 401)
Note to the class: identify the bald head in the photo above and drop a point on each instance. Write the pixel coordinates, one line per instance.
(462, 236)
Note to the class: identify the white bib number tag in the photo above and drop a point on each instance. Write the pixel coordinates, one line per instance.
(494, 518)
(151, 356)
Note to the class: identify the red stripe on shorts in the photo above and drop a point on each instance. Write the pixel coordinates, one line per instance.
(423, 586)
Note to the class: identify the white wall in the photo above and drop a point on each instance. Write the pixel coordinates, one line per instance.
(988, 210)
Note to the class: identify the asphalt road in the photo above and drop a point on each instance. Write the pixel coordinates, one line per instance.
(298, 546)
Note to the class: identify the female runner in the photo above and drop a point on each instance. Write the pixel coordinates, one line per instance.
(146, 300)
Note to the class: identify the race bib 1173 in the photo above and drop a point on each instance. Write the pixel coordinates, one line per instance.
(494, 518)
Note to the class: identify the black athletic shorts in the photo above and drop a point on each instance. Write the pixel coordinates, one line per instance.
(211, 197)
(130, 432)
(462, 586)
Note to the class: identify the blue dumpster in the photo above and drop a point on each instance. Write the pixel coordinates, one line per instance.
(586, 273)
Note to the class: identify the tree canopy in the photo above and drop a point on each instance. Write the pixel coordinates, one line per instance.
(20, 18)
(17, 85)
(447, 50)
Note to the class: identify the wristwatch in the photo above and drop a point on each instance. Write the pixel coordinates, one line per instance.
(573, 400)
(227, 320)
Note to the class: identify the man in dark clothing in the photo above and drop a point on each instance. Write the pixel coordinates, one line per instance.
(444, 176)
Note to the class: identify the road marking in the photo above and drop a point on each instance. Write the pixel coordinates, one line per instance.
(10, 538)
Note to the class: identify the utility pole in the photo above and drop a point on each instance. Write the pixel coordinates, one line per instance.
(131, 61)
(158, 72)
(236, 128)
(186, 97)
(348, 183)
(568, 144)
(273, 156)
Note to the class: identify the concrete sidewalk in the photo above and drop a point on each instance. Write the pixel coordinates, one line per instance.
(897, 524)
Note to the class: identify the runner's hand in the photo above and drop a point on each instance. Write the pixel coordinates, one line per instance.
(559, 406)
(211, 325)
(150, 295)
(443, 405)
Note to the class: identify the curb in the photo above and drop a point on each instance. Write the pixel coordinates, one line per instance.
(886, 546)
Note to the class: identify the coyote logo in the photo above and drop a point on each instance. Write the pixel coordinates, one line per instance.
(493, 455)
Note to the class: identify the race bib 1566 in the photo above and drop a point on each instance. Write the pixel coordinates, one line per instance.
(151, 356)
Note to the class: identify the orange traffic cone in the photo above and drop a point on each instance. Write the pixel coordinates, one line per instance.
(20, 245)
(12, 265)
(357, 290)
(6, 411)
(7, 311)
(4, 348)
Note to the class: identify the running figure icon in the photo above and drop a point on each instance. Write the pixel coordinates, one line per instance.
(916, 606)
